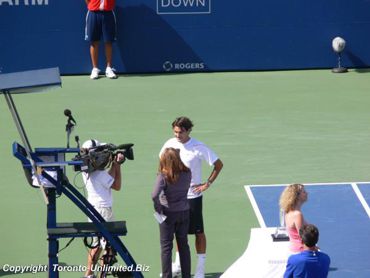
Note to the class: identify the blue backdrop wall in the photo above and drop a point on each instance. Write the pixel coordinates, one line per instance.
(188, 35)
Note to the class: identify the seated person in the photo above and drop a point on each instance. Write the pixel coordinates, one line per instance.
(291, 201)
(310, 263)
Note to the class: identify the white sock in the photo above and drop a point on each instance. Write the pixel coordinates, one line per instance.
(177, 258)
(199, 272)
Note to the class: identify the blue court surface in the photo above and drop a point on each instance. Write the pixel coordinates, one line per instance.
(340, 211)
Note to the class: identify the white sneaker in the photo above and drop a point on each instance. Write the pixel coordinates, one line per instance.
(109, 72)
(199, 273)
(176, 270)
(95, 73)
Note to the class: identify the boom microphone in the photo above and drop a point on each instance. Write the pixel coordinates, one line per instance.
(68, 114)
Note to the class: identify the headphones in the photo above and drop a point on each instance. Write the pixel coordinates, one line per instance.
(93, 143)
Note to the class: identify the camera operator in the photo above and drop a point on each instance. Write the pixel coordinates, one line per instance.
(99, 185)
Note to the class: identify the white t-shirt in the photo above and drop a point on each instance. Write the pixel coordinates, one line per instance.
(98, 185)
(192, 153)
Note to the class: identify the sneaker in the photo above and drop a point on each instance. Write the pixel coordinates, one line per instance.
(176, 270)
(109, 72)
(199, 274)
(94, 73)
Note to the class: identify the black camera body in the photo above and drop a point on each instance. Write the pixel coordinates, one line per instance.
(100, 157)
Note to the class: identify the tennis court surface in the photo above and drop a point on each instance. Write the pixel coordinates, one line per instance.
(251, 119)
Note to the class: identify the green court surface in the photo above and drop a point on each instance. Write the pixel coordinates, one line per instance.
(267, 127)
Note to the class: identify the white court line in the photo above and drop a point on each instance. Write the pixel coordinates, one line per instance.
(361, 198)
(307, 184)
(255, 206)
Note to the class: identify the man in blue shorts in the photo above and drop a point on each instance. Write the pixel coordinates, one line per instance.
(101, 24)
(310, 263)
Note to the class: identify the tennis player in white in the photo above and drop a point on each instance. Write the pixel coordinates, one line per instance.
(192, 153)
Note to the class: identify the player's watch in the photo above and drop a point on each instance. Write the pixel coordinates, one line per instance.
(209, 182)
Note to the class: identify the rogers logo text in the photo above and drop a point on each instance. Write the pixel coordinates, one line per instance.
(183, 6)
(168, 66)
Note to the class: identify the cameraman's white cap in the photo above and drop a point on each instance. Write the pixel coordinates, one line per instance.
(92, 143)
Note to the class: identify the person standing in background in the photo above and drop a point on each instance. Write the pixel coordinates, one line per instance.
(101, 25)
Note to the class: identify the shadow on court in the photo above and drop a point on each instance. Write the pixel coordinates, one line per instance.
(213, 275)
(362, 70)
(362, 67)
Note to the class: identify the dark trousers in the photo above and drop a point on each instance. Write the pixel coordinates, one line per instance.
(177, 223)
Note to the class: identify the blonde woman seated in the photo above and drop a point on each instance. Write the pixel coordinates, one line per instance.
(291, 201)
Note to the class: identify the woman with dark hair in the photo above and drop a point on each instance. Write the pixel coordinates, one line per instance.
(170, 199)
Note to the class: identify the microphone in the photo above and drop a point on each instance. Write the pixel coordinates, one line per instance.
(68, 114)
(77, 139)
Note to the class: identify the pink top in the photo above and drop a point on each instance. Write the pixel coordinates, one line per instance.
(295, 240)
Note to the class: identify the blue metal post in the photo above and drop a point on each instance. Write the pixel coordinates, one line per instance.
(53, 242)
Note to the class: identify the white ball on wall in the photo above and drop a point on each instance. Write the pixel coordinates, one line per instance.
(338, 44)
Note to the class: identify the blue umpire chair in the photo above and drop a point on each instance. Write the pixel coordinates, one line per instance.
(45, 168)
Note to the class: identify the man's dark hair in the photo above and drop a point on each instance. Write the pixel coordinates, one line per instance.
(309, 234)
(183, 123)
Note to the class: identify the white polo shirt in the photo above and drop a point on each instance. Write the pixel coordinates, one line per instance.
(192, 153)
(98, 186)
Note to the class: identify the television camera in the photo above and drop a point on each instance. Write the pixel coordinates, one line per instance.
(101, 157)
